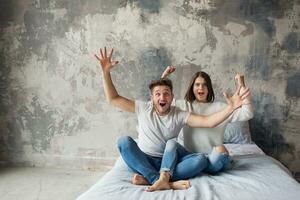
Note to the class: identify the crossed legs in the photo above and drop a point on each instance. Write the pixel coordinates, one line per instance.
(169, 172)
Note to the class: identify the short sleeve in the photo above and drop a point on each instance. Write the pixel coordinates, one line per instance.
(141, 106)
(182, 116)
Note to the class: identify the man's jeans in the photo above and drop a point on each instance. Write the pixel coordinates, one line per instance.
(180, 163)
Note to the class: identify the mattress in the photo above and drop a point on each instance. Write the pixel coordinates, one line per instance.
(253, 175)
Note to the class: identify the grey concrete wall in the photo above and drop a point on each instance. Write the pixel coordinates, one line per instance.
(52, 106)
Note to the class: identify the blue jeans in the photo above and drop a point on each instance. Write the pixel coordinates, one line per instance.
(180, 163)
(217, 162)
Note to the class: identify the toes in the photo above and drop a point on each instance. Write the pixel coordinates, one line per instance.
(149, 189)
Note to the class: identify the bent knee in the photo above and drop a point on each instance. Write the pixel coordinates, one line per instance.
(221, 149)
(171, 144)
(125, 142)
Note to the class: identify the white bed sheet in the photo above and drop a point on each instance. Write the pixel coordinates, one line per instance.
(253, 176)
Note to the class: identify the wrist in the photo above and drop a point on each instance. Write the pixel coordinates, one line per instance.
(105, 72)
(230, 108)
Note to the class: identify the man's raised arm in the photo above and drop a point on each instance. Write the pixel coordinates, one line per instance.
(215, 119)
(111, 93)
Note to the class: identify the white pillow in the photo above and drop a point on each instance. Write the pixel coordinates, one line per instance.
(237, 133)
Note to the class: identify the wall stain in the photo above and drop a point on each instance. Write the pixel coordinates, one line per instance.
(41, 122)
(152, 6)
(291, 43)
(293, 83)
(7, 13)
(265, 127)
(153, 62)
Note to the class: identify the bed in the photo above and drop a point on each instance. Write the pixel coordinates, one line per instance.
(253, 175)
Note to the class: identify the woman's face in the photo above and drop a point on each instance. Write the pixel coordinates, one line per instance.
(200, 90)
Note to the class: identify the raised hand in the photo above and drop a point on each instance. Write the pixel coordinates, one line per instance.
(169, 70)
(239, 79)
(105, 60)
(236, 100)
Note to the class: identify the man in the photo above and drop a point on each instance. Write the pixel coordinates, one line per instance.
(153, 159)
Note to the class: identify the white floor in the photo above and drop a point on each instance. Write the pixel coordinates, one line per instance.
(19, 183)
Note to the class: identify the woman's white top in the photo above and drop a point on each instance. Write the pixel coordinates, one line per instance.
(203, 139)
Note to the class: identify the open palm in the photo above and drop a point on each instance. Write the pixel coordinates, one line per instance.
(237, 99)
(105, 60)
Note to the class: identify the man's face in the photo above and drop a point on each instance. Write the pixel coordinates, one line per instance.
(162, 98)
(200, 90)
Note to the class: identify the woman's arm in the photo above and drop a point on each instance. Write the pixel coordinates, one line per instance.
(245, 112)
(169, 70)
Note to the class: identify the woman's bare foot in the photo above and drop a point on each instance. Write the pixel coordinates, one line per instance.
(160, 184)
(138, 179)
(180, 185)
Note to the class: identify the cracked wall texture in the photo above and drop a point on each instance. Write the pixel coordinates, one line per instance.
(52, 107)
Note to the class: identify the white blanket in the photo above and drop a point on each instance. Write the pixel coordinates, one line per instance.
(253, 176)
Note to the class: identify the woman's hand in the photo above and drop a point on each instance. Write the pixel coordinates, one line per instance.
(169, 70)
(239, 79)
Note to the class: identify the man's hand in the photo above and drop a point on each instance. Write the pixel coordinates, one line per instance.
(169, 70)
(105, 61)
(236, 100)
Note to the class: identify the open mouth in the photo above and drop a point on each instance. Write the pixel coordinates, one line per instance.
(162, 104)
(201, 93)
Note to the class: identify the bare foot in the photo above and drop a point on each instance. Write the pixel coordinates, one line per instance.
(138, 179)
(159, 185)
(180, 185)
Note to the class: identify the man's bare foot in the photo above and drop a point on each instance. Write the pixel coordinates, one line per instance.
(160, 184)
(180, 185)
(138, 179)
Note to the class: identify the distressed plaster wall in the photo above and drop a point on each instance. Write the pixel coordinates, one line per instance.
(53, 110)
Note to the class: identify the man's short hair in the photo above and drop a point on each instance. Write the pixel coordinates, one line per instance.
(161, 82)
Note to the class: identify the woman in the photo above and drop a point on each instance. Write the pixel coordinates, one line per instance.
(199, 98)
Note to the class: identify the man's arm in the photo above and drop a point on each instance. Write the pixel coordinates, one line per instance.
(215, 119)
(111, 93)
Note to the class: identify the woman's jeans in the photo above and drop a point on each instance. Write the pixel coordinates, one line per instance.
(180, 163)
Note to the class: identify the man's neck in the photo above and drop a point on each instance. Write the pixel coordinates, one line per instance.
(162, 114)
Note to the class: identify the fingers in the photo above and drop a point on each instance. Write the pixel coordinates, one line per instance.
(101, 53)
(104, 55)
(237, 76)
(238, 89)
(172, 69)
(226, 95)
(110, 55)
(105, 52)
(97, 57)
(245, 94)
(113, 63)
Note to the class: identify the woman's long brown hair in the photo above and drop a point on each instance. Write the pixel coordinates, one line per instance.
(189, 95)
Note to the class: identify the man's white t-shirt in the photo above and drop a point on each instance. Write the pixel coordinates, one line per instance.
(154, 130)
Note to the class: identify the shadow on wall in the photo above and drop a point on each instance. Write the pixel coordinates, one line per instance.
(265, 127)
